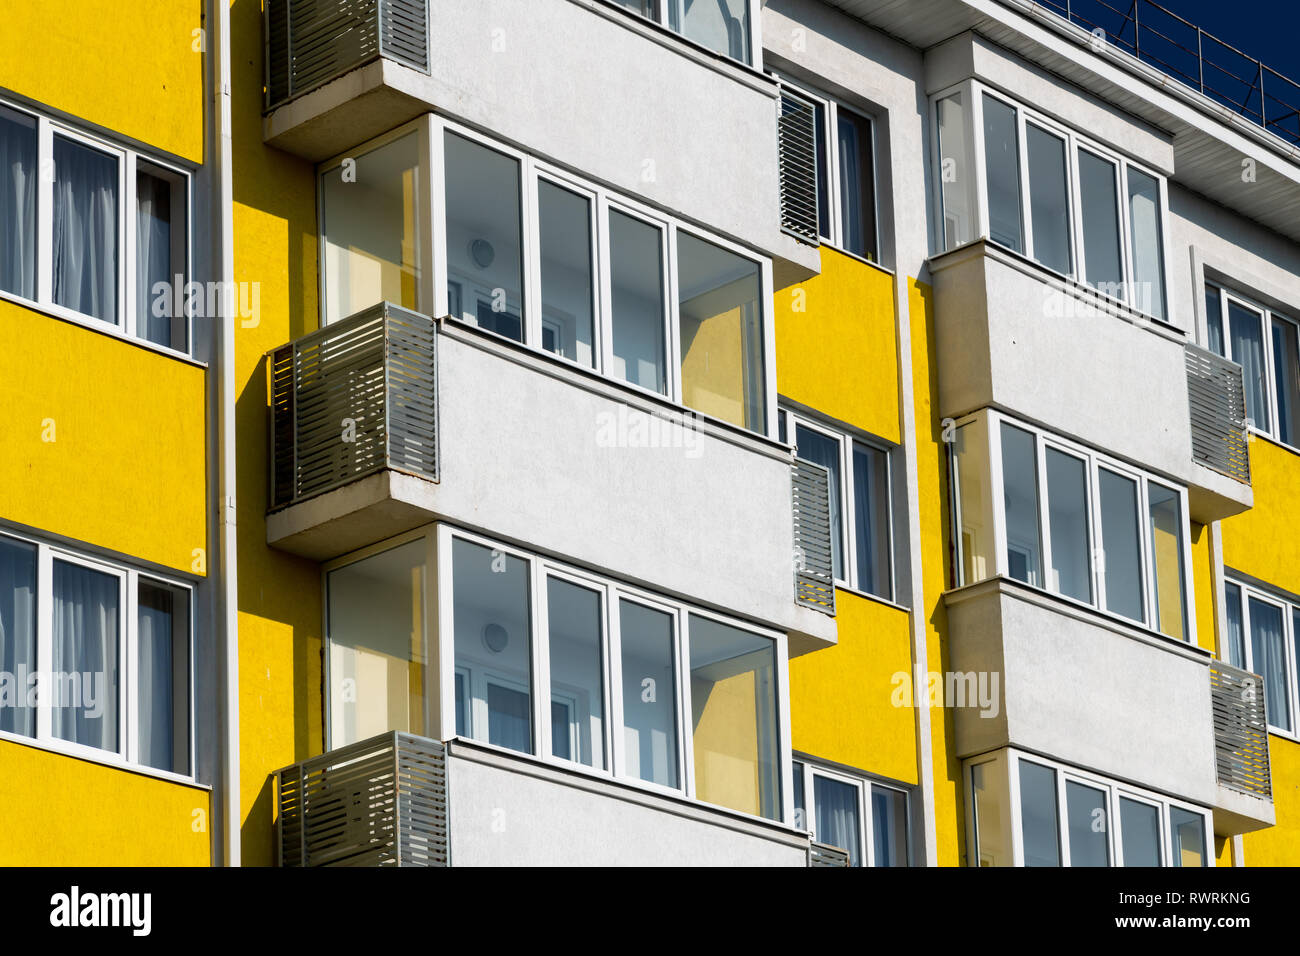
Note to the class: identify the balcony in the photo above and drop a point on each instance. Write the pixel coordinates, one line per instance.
(1013, 335)
(655, 116)
(403, 800)
(1245, 781)
(389, 421)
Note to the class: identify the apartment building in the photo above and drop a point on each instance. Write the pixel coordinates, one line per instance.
(797, 433)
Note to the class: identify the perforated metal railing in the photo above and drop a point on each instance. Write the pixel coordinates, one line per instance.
(351, 399)
(1199, 60)
(1240, 730)
(797, 155)
(310, 42)
(1217, 405)
(380, 802)
(814, 570)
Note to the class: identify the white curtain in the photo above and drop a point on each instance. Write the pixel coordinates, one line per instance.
(154, 688)
(1236, 642)
(836, 806)
(1268, 648)
(85, 230)
(1248, 351)
(86, 643)
(17, 635)
(153, 255)
(17, 204)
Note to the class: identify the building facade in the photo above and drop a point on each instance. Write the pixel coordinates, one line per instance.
(802, 432)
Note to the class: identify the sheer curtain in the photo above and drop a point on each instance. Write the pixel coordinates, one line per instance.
(1268, 649)
(1247, 333)
(155, 707)
(85, 230)
(17, 633)
(153, 255)
(86, 645)
(836, 806)
(1236, 641)
(17, 204)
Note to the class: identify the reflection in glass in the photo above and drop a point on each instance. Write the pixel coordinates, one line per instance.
(1187, 836)
(636, 283)
(1002, 170)
(1049, 198)
(1122, 555)
(574, 631)
(1148, 243)
(1140, 826)
(1067, 521)
(649, 691)
(956, 173)
(1020, 497)
(567, 282)
(1038, 815)
(1086, 816)
(1099, 202)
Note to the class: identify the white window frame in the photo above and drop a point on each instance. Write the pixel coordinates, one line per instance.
(127, 233)
(809, 768)
(432, 298)
(1095, 461)
(973, 93)
(660, 16)
(1007, 763)
(1228, 296)
(127, 754)
(1289, 607)
(848, 499)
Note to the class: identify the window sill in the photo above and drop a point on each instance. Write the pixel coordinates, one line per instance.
(1276, 442)
(89, 755)
(103, 328)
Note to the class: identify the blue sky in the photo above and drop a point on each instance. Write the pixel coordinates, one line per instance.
(1266, 29)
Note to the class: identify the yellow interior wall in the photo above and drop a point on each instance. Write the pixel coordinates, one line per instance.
(129, 67)
(726, 743)
(70, 812)
(280, 607)
(126, 469)
(712, 374)
(1205, 597)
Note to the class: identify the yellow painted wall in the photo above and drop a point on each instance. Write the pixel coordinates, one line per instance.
(1279, 845)
(279, 594)
(129, 67)
(1263, 541)
(836, 348)
(1206, 596)
(126, 466)
(62, 811)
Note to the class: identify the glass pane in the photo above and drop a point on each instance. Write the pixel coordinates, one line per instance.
(376, 645)
(1148, 243)
(733, 718)
(871, 520)
(956, 172)
(1268, 659)
(567, 284)
(1085, 811)
(1038, 815)
(87, 605)
(839, 821)
(1140, 828)
(823, 174)
(17, 204)
(889, 826)
(1187, 834)
(721, 317)
(1049, 198)
(720, 25)
(636, 284)
(649, 694)
(825, 451)
(159, 261)
(974, 500)
(857, 184)
(484, 237)
(1214, 320)
(647, 8)
(371, 229)
(1121, 553)
(1246, 330)
(1286, 373)
(18, 633)
(1236, 639)
(163, 677)
(1167, 560)
(1099, 202)
(992, 812)
(85, 253)
(574, 630)
(800, 808)
(492, 624)
(1020, 496)
(1067, 521)
(1002, 170)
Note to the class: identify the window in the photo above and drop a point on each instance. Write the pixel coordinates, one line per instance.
(723, 26)
(845, 144)
(560, 664)
(1070, 521)
(528, 252)
(1046, 192)
(1266, 344)
(1029, 811)
(71, 240)
(1261, 638)
(95, 658)
(868, 820)
(859, 492)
